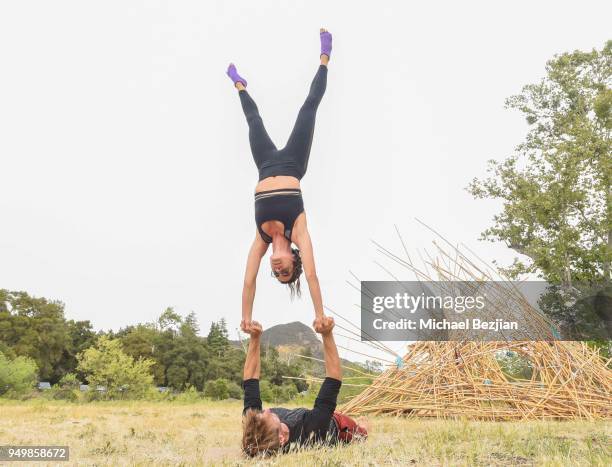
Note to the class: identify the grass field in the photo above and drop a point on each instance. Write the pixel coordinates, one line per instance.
(208, 433)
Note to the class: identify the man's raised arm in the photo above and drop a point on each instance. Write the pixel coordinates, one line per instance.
(325, 326)
(252, 364)
(318, 419)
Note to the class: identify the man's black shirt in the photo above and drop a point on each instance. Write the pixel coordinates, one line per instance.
(306, 426)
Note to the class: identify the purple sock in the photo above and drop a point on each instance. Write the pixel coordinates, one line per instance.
(234, 76)
(326, 43)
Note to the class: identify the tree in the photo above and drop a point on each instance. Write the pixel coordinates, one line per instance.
(190, 325)
(82, 336)
(273, 369)
(121, 375)
(181, 356)
(143, 340)
(558, 204)
(7, 351)
(226, 365)
(169, 320)
(36, 328)
(17, 375)
(217, 339)
(556, 187)
(187, 362)
(177, 375)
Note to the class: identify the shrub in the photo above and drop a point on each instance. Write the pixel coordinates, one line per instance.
(92, 396)
(265, 390)
(191, 394)
(290, 391)
(153, 394)
(69, 381)
(17, 376)
(59, 393)
(234, 390)
(217, 389)
(283, 393)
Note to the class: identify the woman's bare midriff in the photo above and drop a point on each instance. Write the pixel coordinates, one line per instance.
(278, 182)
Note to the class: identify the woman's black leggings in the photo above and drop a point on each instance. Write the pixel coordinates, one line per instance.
(293, 158)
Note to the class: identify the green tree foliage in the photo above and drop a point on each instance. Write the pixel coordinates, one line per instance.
(169, 320)
(67, 389)
(284, 393)
(234, 390)
(182, 358)
(69, 381)
(121, 375)
(273, 369)
(265, 391)
(140, 341)
(7, 351)
(82, 336)
(226, 361)
(36, 328)
(17, 376)
(556, 187)
(217, 389)
(276, 394)
(183, 355)
(217, 339)
(556, 194)
(190, 325)
(514, 364)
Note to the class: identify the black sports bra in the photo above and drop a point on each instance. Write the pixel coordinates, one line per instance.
(283, 205)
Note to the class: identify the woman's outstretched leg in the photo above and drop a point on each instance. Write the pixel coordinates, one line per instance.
(262, 146)
(261, 143)
(300, 141)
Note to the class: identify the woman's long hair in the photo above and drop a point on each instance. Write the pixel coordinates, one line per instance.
(294, 282)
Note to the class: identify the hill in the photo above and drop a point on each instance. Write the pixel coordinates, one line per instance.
(292, 338)
(292, 334)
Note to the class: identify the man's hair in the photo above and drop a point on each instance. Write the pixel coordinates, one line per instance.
(257, 436)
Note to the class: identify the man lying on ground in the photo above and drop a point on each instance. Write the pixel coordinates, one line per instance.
(277, 429)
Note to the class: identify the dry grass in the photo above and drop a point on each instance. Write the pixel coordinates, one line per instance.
(208, 433)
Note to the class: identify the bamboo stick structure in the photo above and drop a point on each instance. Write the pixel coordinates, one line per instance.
(461, 378)
(465, 379)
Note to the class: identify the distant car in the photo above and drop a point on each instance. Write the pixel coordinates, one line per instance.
(162, 389)
(84, 387)
(44, 385)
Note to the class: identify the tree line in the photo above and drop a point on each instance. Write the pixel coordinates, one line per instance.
(38, 343)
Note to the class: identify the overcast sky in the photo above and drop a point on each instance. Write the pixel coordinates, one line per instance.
(126, 176)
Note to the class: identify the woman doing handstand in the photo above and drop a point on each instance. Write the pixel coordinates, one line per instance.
(279, 208)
